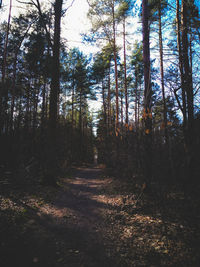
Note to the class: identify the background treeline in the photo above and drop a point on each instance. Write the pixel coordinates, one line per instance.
(147, 79)
(149, 122)
(36, 98)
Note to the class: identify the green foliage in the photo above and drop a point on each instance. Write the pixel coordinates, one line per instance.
(125, 8)
(25, 96)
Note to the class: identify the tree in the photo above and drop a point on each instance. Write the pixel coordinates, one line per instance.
(186, 20)
(137, 64)
(103, 16)
(124, 11)
(55, 81)
(147, 91)
(157, 8)
(4, 90)
(160, 7)
(187, 70)
(101, 76)
(19, 33)
(51, 168)
(76, 79)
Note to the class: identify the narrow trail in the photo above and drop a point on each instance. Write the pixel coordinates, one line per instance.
(78, 220)
(89, 222)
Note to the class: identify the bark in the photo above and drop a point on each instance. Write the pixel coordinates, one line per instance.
(55, 82)
(139, 106)
(52, 167)
(125, 72)
(27, 114)
(146, 56)
(109, 101)
(73, 94)
(162, 74)
(80, 113)
(122, 113)
(81, 126)
(72, 106)
(181, 66)
(191, 56)
(189, 93)
(43, 104)
(104, 104)
(136, 99)
(116, 72)
(187, 72)
(147, 92)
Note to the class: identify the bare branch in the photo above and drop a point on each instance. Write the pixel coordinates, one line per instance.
(38, 6)
(22, 2)
(70, 5)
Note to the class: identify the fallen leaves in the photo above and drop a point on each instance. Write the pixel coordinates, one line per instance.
(104, 212)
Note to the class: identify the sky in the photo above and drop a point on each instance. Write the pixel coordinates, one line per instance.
(74, 21)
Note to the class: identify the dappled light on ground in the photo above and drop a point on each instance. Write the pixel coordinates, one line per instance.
(88, 222)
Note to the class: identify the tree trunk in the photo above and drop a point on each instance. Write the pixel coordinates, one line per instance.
(109, 100)
(14, 77)
(181, 67)
(81, 127)
(43, 105)
(73, 92)
(189, 92)
(147, 92)
(55, 82)
(136, 99)
(162, 75)
(116, 72)
(187, 72)
(125, 74)
(35, 105)
(138, 112)
(3, 90)
(122, 113)
(104, 105)
(50, 176)
(28, 112)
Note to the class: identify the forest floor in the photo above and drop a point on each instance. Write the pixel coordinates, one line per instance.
(93, 220)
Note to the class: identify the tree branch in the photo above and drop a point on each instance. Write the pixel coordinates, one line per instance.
(70, 5)
(22, 2)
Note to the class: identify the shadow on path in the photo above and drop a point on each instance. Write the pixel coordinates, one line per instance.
(67, 232)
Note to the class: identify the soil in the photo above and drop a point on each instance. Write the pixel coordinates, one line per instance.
(92, 220)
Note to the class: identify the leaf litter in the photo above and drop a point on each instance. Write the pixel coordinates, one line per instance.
(92, 220)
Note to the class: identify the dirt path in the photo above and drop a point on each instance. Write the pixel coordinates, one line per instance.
(88, 223)
(70, 231)
(79, 215)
